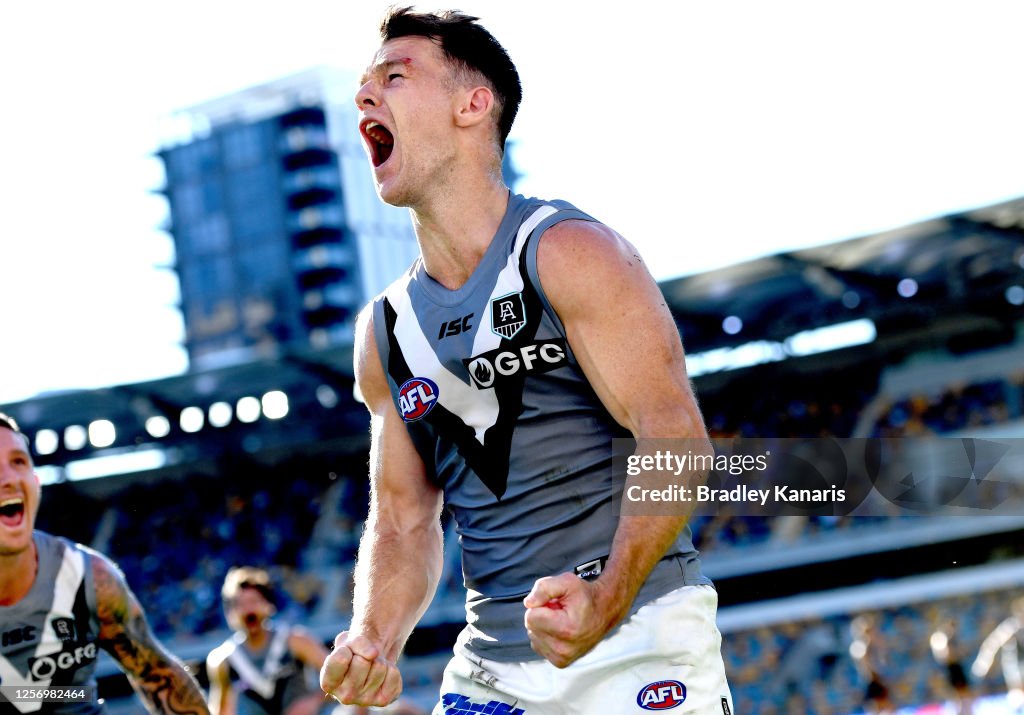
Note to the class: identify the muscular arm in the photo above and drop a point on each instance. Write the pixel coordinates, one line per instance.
(157, 676)
(627, 345)
(399, 560)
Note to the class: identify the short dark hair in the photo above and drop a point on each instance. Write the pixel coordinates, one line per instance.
(467, 46)
(7, 422)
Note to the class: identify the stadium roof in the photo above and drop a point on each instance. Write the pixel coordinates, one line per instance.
(960, 265)
(313, 388)
(958, 279)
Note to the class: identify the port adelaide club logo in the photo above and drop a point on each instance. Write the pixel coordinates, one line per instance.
(417, 397)
(508, 315)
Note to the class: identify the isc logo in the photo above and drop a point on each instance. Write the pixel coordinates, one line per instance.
(455, 327)
(416, 397)
(662, 695)
(22, 634)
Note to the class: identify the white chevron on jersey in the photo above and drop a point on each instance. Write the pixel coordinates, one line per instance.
(263, 681)
(510, 280)
(478, 409)
(65, 589)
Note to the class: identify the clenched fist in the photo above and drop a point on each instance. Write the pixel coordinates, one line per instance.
(566, 617)
(356, 673)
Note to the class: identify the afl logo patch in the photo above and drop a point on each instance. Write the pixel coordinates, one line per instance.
(416, 397)
(662, 695)
(508, 315)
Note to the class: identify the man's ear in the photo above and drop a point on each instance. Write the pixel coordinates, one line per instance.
(475, 107)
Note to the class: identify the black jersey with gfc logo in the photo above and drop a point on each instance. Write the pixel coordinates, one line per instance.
(510, 428)
(49, 637)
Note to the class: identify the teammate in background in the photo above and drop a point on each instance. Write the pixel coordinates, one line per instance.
(60, 602)
(1004, 640)
(868, 653)
(497, 372)
(260, 670)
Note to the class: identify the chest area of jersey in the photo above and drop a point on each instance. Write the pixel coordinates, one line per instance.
(471, 356)
(45, 647)
(49, 637)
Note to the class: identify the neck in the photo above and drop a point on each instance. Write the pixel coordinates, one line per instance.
(17, 574)
(455, 228)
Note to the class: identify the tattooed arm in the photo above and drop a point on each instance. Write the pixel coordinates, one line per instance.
(157, 676)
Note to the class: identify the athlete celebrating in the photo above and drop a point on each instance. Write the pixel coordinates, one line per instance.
(497, 372)
(59, 602)
(260, 669)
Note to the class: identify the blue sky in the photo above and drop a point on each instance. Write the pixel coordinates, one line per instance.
(706, 133)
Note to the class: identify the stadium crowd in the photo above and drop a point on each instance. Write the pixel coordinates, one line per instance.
(176, 538)
(804, 666)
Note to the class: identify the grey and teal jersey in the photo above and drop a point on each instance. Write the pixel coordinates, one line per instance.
(508, 425)
(49, 637)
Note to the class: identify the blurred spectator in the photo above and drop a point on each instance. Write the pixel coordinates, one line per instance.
(1004, 640)
(870, 654)
(948, 653)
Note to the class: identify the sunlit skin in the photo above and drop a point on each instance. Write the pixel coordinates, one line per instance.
(161, 681)
(431, 143)
(445, 164)
(19, 502)
(406, 91)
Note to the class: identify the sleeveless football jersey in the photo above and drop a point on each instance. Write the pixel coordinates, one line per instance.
(509, 427)
(49, 637)
(268, 680)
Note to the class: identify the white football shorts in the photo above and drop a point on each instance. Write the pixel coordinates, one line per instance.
(666, 657)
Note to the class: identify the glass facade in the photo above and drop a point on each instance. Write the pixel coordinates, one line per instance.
(264, 253)
(280, 236)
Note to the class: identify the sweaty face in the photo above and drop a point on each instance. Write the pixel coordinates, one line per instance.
(406, 118)
(19, 494)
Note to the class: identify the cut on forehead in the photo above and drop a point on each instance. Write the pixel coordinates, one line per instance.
(409, 48)
(413, 52)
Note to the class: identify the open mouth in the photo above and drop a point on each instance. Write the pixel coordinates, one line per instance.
(12, 512)
(251, 619)
(380, 140)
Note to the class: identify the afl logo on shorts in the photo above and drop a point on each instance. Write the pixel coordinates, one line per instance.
(662, 695)
(416, 397)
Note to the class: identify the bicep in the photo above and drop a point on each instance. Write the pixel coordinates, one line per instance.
(402, 496)
(619, 328)
(124, 633)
